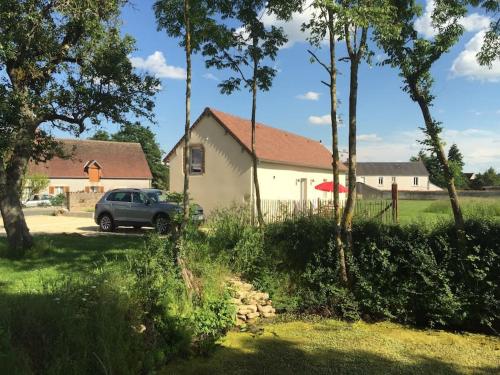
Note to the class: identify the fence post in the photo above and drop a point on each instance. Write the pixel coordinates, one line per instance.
(395, 213)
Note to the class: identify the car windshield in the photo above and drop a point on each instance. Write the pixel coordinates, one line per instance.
(158, 196)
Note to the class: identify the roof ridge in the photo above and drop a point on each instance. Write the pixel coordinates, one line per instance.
(265, 125)
(95, 141)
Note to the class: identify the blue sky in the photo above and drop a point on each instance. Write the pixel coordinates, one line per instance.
(468, 96)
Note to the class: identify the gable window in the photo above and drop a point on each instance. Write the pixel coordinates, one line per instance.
(415, 181)
(196, 160)
(380, 180)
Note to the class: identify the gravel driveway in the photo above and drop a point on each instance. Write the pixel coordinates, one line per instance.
(41, 221)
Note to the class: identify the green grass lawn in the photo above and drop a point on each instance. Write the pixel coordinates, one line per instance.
(56, 256)
(430, 212)
(334, 347)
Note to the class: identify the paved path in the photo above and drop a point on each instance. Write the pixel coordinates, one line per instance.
(42, 222)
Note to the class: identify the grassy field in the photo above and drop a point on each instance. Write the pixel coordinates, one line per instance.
(55, 256)
(432, 211)
(334, 347)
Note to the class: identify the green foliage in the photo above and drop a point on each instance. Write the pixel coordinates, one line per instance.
(74, 326)
(35, 183)
(58, 200)
(410, 274)
(436, 173)
(488, 178)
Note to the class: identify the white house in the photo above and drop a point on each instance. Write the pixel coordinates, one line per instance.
(220, 164)
(95, 166)
(410, 176)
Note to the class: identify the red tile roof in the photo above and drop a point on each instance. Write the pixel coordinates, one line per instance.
(117, 160)
(273, 145)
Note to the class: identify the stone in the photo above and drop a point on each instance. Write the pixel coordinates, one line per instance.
(240, 322)
(253, 315)
(246, 286)
(261, 296)
(268, 315)
(235, 301)
(250, 308)
(241, 316)
(265, 309)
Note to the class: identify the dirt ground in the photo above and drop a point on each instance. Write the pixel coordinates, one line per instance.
(41, 221)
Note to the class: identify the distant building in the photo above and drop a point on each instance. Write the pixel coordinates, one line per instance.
(220, 163)
(410, 176)
(95, 166)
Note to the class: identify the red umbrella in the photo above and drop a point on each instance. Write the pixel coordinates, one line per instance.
(328, 186)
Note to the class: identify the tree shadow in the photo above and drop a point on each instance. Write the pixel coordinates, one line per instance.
(272, 355)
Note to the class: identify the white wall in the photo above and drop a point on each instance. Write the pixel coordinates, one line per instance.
(79, 184)
(282, 182)
(405, 183)
(227, 168)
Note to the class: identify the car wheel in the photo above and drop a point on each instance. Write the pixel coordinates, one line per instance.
(106, 223)
(162, 224)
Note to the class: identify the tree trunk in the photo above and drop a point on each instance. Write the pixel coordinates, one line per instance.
(18, 236)
(351, 194)
(335, 152)
(187, 125)
(260, 218)
(432, 131)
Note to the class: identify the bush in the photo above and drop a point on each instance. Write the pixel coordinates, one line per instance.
(58, 200)
(411, 274)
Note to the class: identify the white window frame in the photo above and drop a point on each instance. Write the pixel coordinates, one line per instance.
(393, 179)
(380, 181)
(415, 181)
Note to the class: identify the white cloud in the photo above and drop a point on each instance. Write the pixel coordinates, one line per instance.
(310, 95)
(472, 22)
(156, 64)
(292, 28)
(368, 138)
(320, 120)
(210, 76)
(479, 147)
(466, 65)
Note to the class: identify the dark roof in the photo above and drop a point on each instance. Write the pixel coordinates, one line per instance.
(272, 145)
(410, 168)
(116, 159)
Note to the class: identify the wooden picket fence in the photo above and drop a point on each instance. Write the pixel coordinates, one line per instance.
(280, 210)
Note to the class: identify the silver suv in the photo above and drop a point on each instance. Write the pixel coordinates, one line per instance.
(138, 208)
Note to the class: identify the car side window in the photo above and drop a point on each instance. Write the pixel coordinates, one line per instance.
(120, 196)
(138, 198)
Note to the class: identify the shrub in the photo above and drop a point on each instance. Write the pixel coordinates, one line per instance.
(58, 200)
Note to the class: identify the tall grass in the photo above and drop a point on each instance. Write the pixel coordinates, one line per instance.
(470, 207)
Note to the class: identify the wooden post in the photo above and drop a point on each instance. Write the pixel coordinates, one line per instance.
(395, 212)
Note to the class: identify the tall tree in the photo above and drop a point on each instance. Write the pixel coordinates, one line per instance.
(246, 52)
(193, 23)
(321, 26)
(456, 160)
(146, 138)
(356, 18)
(414, 56)
(63, 64)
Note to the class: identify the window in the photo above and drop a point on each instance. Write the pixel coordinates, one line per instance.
(196, 160)
(119, 196)
(139, 198)
(380, 180)
(58, 190)
(393, 180)
(415, 181)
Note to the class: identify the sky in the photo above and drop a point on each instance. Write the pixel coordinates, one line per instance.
(467, 95)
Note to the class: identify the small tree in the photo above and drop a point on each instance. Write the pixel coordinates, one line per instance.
(35, 183)
(245, 52)
(192, 22)
(64, 65)
(323, 25)
(414, 57)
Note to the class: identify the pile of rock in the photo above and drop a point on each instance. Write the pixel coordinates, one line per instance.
(251, 304)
